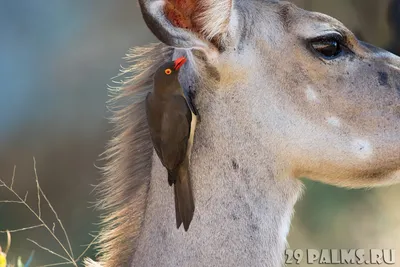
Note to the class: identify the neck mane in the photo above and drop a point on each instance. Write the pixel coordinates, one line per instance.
(244, 200)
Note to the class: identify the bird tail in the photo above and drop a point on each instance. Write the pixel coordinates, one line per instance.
(172, 174)
(184, 202)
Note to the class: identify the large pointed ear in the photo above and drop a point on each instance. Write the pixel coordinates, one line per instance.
(189, 23)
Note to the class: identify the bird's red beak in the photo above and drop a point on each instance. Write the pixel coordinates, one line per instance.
(179, 62)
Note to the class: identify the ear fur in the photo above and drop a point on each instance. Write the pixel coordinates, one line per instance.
(201, 24)
(213, 17)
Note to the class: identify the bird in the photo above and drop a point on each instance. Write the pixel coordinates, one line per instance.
(172, 119)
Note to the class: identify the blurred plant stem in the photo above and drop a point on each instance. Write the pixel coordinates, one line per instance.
(67, 254)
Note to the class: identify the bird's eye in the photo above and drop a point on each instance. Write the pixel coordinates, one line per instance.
(328, 47)
(168, 71)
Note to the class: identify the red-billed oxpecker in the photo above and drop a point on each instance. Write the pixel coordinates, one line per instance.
(172, 120)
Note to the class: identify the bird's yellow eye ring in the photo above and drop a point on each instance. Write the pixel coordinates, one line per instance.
(168, 71)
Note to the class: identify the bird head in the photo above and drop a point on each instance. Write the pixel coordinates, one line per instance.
(170, 69)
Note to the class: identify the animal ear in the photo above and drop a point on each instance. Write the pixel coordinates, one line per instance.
(188, 23)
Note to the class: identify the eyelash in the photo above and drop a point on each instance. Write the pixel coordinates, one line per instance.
(335, 36)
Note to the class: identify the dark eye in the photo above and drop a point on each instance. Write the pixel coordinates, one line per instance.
(328, 47)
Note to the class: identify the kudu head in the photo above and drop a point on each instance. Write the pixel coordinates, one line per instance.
(299, 82)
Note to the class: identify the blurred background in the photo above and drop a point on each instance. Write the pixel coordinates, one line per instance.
(57, 58)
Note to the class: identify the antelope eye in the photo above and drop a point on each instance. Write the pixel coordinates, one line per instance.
(327, 47)
(168, 71)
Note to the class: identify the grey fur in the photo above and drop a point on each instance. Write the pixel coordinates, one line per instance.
(272, 111)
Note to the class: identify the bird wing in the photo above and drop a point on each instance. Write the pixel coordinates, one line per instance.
(175, 130)
(154, 122)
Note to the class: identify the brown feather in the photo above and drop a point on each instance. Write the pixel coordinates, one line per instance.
(184, 201)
